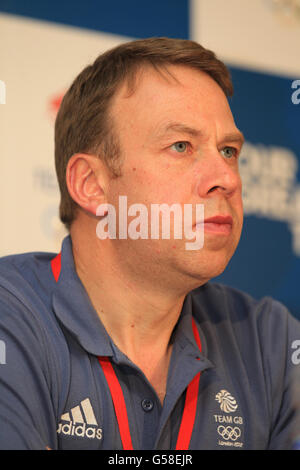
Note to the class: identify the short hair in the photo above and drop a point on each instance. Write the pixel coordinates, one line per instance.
(83, 123)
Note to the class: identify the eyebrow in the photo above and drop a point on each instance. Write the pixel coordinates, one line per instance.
(179, 127)
(237, 137)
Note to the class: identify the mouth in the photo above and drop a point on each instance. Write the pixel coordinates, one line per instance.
(219, 224)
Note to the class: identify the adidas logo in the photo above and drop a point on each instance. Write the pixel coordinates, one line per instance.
(80, 422)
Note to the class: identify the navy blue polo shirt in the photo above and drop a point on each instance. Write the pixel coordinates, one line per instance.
(53, 392)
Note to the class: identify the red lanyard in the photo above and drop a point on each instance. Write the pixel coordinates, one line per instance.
(190, 406)
(189, 412)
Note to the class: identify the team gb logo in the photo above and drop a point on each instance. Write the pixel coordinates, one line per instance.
(227, 402)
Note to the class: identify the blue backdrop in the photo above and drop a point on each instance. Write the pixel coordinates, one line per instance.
(266, 261)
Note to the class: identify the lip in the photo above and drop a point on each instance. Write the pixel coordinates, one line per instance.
(219, 219)
(218, 224)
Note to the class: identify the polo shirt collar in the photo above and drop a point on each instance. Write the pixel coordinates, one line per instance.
(75, 311)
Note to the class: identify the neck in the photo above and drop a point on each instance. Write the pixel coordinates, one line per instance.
(137, 315)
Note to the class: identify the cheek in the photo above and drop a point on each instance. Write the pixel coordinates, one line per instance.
(239, 219)
(239, 213)
(156, 186)
(238, 201)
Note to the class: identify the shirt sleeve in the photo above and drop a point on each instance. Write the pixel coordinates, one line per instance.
(280, 335)
(27, 419)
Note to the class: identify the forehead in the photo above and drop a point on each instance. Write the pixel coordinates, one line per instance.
(173, 93)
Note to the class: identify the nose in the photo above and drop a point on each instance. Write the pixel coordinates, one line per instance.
(218, 175)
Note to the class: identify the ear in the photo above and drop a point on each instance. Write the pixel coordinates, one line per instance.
(86, 179)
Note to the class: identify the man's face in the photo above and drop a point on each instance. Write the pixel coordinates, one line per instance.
(179, 145)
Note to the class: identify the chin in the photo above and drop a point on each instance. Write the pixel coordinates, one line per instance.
(195, 275)
(208, 266)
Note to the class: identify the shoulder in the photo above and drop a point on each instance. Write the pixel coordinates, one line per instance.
(29, 328)
(264, 325)
(26, 316)
(26, 278)
(23, 265)
(221, 302)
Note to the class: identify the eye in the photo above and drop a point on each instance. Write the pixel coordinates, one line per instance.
(180, 147)
(229, 152)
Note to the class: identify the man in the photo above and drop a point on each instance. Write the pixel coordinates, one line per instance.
(120, 342)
